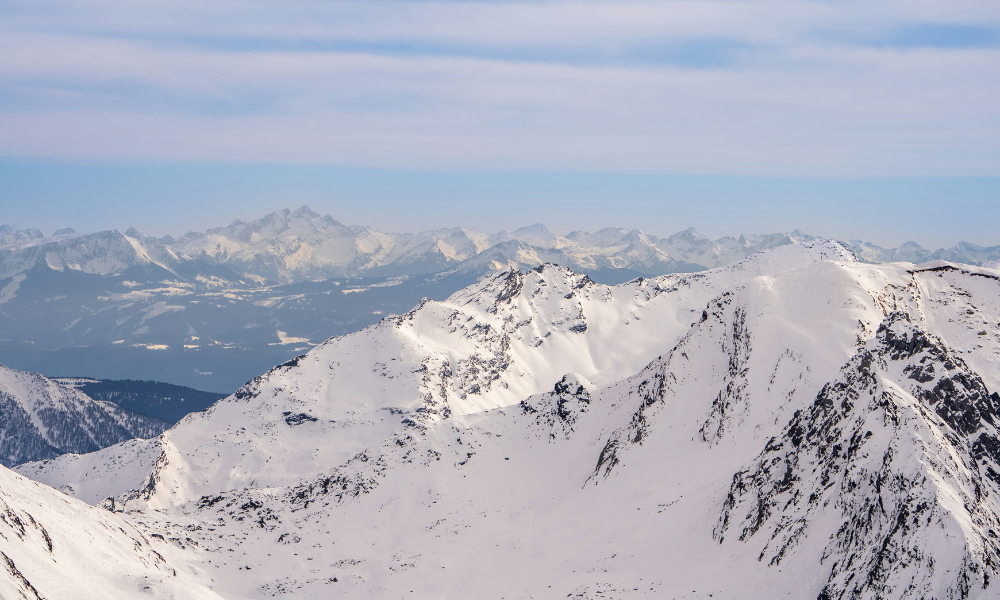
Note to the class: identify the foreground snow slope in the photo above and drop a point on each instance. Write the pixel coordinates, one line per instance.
(812, 428)
(42, 419)
(820, 432)
(491, 345)
(55, 547)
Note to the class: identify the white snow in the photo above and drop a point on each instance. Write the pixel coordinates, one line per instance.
(57, 547)
(755, 431)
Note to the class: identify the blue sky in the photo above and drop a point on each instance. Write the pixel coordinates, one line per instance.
(828, 101)
(162, 199)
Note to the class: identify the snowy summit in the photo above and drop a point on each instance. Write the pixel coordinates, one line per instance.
(796, 424)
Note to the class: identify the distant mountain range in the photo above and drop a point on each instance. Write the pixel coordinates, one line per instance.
(210, 310)
(295, 246)
(912, 252)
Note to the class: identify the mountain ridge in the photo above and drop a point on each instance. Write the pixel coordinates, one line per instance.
(43, 419)
(669, 436)
(288, 246)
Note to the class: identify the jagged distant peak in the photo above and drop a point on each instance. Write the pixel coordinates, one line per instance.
(288, 246)
(11, 236)
(689, 234)
(305, 211)
(536, 227)
(913, 252)
(109, 252)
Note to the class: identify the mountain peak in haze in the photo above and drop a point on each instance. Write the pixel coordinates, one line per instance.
(287, 246)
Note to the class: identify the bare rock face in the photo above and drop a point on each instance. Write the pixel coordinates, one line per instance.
(902, 447)
(555, 413)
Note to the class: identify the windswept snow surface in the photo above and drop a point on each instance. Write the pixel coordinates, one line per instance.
(796, 425)
(52, 546)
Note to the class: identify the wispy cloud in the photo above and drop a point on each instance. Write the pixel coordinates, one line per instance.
(773, 87)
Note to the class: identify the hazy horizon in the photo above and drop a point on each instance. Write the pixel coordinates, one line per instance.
(174, 199)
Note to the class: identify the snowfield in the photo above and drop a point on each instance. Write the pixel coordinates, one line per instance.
(52, 546)
(797, 424)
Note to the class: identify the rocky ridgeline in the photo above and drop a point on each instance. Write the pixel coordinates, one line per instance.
(797, 424)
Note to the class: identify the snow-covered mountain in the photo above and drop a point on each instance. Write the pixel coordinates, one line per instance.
(489, 346)
(10, 236)
(294, 246)
(797, 424)
(56, 547)
(289, 246)
(206, 311)
(962, 252)
(103, 253)
(41, 419)
(692, 247)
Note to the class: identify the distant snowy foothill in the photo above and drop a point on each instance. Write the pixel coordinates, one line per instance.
(798, 423)
(42, 419)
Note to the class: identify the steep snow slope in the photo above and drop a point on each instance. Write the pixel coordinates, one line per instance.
(41, 419)
(807, 438)
(491, 345)
(875, 472)
(55, 547)
(812, 428)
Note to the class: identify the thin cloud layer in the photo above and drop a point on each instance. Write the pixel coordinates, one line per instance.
(769, 87)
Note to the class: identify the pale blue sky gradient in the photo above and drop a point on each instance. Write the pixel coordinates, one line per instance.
(173, 199)
(876, 119)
